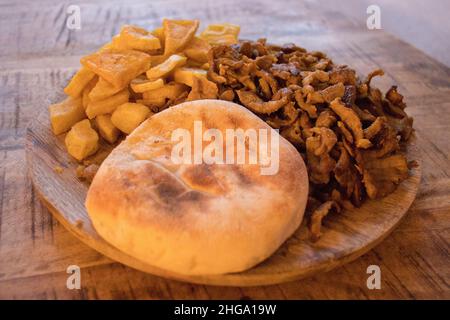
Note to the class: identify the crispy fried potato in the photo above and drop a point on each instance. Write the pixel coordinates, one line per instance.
(78, 82)
(163, 69)
(107, 105)
(129, 116)
(65, 114)
(158, 59)
(135, 38)
(85, 96)
(118, 68)
(185, 75)
(107, 47)
(159, 33)
(193, 64)
(116, 45)
(82, 140)
(142, 85)
(197, 49)
(153, 104)
(106, 128)
(177, 34)
(221, 34)
(171, 91)
(102, 90)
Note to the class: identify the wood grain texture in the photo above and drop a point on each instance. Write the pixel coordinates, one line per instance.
(346, 236)
(38, 55)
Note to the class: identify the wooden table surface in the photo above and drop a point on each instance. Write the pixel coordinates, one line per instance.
(38, 54)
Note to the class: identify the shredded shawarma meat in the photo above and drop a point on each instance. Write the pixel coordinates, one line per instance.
(347, 132)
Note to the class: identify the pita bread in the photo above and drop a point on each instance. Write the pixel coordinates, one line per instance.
(196, 219)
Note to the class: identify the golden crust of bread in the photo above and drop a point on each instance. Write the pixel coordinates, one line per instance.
(195, 219)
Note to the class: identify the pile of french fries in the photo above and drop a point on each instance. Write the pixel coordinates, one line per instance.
(137, 74)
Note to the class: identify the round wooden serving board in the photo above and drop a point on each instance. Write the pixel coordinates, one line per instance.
(346, 236)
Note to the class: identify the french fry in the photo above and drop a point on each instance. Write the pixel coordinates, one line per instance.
(78, 82)
(106, 128)
(185, 75)
(65, 114)
(197, 49)
(102, 90)
(159, 33)
(107, 47)
(142, 85)
(163, 69)
(82, 140)
(118, 68)
(158, 59)
(177, 34)
(129, 116)
(153, 104)
(193, 64)
(135, 38)
(171, 91)
(85, 95)
(221, 34)
(107, 105)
